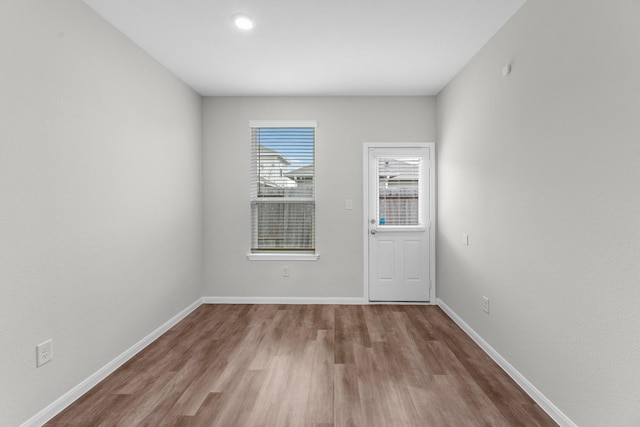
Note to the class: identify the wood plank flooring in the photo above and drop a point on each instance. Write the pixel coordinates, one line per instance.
(308, 365)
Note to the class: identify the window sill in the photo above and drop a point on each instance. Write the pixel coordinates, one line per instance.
(282, 257)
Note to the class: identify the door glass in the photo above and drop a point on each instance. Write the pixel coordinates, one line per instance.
(399, 192)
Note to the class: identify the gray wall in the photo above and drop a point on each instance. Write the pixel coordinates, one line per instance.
(344, 124)
(100, 189)
(542, 170)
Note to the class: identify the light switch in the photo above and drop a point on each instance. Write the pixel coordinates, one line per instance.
(465, 239)
(348, 204)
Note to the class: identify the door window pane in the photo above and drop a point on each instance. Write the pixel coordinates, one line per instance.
(399, 191)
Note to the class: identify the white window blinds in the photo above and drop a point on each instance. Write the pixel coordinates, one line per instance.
(282, 186)
(399, 188)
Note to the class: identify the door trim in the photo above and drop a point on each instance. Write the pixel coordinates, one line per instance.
(432, 210)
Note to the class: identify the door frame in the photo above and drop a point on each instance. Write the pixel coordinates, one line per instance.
(432, 212)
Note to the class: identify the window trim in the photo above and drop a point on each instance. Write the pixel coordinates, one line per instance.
(283, 123)
(284, 256)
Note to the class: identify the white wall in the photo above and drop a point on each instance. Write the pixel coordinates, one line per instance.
(100, 198)
(542, 170)
(344, 124)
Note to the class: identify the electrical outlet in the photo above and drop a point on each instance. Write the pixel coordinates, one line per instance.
(285, 271)
(44, 353)
(485, 304)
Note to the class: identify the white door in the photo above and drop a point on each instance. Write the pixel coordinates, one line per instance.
(399, 200)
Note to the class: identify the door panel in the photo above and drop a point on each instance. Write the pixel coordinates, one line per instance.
(386, 257)
(412, 257)
(398, 223)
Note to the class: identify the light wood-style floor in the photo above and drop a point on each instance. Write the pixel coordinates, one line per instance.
(308, 365)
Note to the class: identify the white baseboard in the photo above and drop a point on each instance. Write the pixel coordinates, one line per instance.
(551, 409)
(283, 300)
(72, 395)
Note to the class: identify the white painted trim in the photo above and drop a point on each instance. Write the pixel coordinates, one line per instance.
(274, 256)
(283, 123)
(400, 303)
(283, 300)
(365, 217)
(72, 395)
(548, 406)
(432, 209)
(398, 144)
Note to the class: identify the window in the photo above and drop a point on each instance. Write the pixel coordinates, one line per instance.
(399, 191)
(282, 187)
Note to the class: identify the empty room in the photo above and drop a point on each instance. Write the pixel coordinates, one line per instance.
(314, 213)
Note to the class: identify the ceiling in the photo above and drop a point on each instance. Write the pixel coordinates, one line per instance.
(311, 47)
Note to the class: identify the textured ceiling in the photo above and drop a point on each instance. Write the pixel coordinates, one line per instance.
(311, 47)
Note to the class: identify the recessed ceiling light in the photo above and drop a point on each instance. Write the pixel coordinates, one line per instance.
(242, 21)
